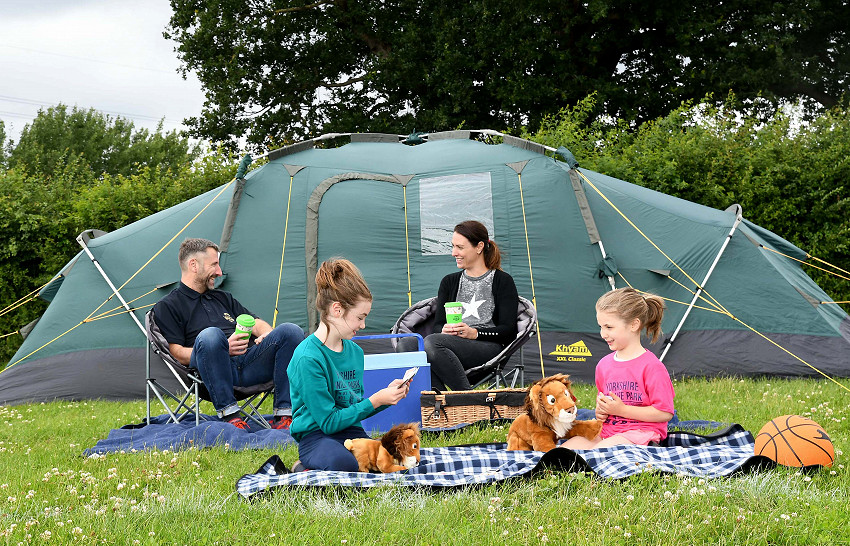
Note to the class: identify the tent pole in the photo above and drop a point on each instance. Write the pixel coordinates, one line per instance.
(82, 240)
(610, 278)
(738, 219)
(109, 282)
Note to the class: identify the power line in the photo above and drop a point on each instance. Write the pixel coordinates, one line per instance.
(89, 59)
(15, 114)
(140, 117)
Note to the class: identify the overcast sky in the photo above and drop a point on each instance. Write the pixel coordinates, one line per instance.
(103, 54)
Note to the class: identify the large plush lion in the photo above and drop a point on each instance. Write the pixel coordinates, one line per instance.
(550, 415)
(398, 449)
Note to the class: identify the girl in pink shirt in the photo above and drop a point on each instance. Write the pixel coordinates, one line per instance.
(635, 398)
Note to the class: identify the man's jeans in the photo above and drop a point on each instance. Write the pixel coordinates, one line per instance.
(263, 362)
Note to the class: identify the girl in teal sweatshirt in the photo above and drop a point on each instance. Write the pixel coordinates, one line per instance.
(326, 373)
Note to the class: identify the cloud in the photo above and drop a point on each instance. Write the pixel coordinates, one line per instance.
(93, 54)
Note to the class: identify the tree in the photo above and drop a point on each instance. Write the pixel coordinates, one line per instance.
(2, 145)
(790, 178)
(39, 220)
(58, 137)
(79, 169)
(282, 70)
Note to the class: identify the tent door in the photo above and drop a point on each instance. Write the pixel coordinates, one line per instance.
(361, 217)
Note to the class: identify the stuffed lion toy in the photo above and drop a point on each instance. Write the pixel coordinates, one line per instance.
(398, 449)
(551, 410)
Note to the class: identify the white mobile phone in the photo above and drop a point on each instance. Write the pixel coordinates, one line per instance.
(408, 376)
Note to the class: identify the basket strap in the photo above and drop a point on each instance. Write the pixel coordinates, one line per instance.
(439, 398)
(491, 401)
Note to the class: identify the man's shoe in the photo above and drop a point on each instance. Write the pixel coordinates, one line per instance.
(282, 423)
(238, 422)
(298, 467)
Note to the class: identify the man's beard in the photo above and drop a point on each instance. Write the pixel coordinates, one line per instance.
(208, 282)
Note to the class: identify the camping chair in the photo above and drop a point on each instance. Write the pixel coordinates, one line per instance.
(419, 318)
(249, 398)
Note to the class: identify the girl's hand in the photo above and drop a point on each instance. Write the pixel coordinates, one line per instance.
(609, 404)
(600, 413)
(460, 329)
(390, 395)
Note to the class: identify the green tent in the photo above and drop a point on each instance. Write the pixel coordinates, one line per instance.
(567, 234)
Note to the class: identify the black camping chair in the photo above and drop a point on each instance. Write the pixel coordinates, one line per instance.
(419, 319)
(181, 406)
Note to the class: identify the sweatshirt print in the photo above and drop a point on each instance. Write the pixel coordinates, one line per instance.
(641, 381)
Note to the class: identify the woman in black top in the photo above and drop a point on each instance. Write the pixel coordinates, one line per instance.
(490, 301)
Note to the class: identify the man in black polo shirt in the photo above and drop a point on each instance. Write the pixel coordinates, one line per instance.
(199, 322)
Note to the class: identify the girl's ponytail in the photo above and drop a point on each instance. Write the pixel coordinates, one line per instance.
(339, 280)
(629, 304)
(654, 313)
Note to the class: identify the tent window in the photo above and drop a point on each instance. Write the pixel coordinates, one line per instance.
(446, 200)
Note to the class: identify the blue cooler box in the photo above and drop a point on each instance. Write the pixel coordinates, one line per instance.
(379, 371)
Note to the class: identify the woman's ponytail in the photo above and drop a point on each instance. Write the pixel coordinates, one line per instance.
(492, 255)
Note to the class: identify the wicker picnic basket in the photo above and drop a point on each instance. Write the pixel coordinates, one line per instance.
(450, 408)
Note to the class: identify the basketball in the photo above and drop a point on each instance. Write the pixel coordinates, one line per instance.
(792, 440)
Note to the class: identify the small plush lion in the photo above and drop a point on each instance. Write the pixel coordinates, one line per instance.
(550, 415)
(398, 449)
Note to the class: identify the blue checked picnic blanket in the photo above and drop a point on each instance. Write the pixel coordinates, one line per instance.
(717, 454)
(210, 432)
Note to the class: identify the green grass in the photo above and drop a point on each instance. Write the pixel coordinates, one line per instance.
(51, 494)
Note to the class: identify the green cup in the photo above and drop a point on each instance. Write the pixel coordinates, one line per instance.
(454, 312)
(244, 325)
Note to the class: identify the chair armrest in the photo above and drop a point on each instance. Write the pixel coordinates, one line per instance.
(388, 336)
